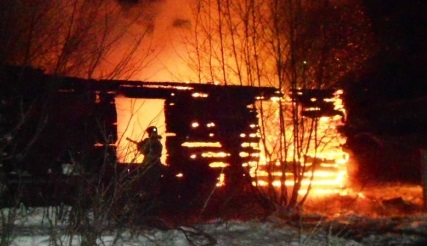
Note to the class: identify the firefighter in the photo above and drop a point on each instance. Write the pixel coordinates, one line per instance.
(151, 147)
(151, 167)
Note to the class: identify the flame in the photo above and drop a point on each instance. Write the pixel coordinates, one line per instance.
(172, 65)
(221, 180)
(326, 167)
(199, 94)
(330, 173)
(211, 154)
(201, 144)
(218, 164)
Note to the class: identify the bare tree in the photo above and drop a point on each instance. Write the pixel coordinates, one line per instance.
(79, 38)
(291, 45)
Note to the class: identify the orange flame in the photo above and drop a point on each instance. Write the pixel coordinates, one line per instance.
(330, 173)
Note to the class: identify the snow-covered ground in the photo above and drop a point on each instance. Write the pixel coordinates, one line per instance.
(273, 231)
(34, 228)
(347, 226)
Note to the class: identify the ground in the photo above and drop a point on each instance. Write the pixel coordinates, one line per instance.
(389, 214)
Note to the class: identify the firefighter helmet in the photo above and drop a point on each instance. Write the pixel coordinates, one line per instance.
(151, 129)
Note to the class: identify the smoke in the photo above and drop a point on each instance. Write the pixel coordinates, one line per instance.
(172, 29)
(169, 22)
(170, 26)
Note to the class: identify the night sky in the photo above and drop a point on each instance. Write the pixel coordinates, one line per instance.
(397, 71)
(389, 96)
(387, 102)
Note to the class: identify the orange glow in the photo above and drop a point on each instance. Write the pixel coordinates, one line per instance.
(329, 160)
(211, 154)
(221, 180)
(243, 154)
(254, 145)
(195, 124)
(211, 124)
(157, 86)
(173, 63)
(218, 164)
(201, 144)
(177, 45)
(361, 195)
(199, 94)
(133, 117)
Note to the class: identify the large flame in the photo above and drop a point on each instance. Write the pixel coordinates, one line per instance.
(326, 164)
(173, 34)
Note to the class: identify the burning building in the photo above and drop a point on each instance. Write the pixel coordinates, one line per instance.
(49, 121)
(211, 133)
(311, 156)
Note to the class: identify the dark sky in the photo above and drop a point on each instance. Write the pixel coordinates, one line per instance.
(391, 95)
(387, 105)
(399, 69)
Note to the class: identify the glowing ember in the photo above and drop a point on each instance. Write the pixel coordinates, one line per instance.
(199, 94)
(221, 180)
(325, 166)
(211, 154)
(201, 144)
(218, 164)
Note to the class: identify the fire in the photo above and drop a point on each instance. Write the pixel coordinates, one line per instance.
(328, 160)
(326, 165)
(201, 144)
(324, 168)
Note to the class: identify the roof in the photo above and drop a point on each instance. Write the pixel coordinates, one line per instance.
(136, 89)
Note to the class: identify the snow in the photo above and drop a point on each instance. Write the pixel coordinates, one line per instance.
(221, 233)
(32, 228)
(348, 226)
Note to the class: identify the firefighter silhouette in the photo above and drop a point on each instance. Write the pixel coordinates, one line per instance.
(151, 147)
(151, 167)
